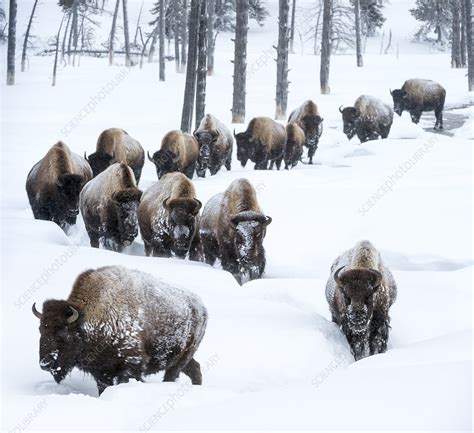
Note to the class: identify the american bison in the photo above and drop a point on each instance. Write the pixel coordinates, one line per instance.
(294, 145)
(215, 146)
(308, 118)
(54, 183)
(120, 324)
(369, 118)
(109, 205)
(263, 141)
(233, 227)
(360, 291)
(115, 145)
(168, 216)
(179, 152)
(416, 96)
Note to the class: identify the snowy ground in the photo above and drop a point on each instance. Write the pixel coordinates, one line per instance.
(271, 358)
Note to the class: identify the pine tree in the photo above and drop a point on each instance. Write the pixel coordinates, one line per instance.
(371, 16)
(435, 16)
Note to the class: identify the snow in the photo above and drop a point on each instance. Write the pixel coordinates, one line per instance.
(271, 358)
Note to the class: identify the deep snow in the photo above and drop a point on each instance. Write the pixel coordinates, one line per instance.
(271, 358)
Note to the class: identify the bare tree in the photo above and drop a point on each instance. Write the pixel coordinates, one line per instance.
(128, 60)
(360, 61)
(27, 36)
(176, 23)
(240, 61)
(74, 30)
(190, 86)
(11, 43)
(184, 39)
(292, 31)
(469, 6)
(463, 34)
(55, 66)
(201, 64)
(282, 61)
(456, 34)
(63, 46)
(326, 48)
(112, 33)
(161, 37)
(211, 37)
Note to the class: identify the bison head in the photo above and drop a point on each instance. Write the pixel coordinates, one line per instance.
(245, 148)
(69, 187)
(207, 141)
(99, 161)
(182, 223)
(399, 100)
(165, 160)
(350, 117)
(249, 231)
(60, 343)
(358, 287)
(312, 129)
(126, 204)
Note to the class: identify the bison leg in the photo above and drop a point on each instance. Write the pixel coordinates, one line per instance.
(228, 162)
(311, 152)
(195, 251)
(278, 163)
(189, 170)
(439, 118)
(379, 335)
(193, 371)
(138, 173)
(210, 249)
(415, 116)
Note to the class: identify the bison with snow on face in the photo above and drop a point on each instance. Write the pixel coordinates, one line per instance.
(120, 324)
(263, 141)
(294, 145)
(115, 145)
(54, 183)
(308, 118)
(360, 291)
(215, 146)
(179, 152)
(168, 216)
(416, 96)
(233, 227)
(109, 205)
(369, 118)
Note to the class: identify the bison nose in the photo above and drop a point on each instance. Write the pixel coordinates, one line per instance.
(46, 362)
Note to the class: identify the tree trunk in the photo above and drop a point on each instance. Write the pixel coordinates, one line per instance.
(456, 35)
(74, 28)
(316, 49)
(112, 33)
(63, 47)
(240, 61)
(138, 24)
(184, 42)
(201, 64)
(128, 60)
(27, 35)
(176, 24)
(292, 31)
(55, 67)
(463, 34)
(151, 53)
(211, 41)
(11, 43)
(326, 48)
(162, 40)
(282, 61)
(190, 86)
(470, 43)
(360, 61)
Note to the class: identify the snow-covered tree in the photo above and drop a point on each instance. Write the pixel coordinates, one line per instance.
(435, 16)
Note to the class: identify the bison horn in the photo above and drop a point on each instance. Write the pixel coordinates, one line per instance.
(36, 312)
(390, 90)
(149, 157)
(235, 135)
(74, 316)
(85, 156)
(336, 276)
(340, 109)
(268, 220)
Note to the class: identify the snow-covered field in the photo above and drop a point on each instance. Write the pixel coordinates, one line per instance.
(271, 357)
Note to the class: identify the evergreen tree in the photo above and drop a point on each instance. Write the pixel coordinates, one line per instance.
(436, 17)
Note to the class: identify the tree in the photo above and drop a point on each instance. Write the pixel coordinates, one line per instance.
(435, 16)
(190, 86)
(128, 60)
(371, 16)
(184, 38)
(112, 33)
(360, 61)
(55, 66)
(176, 22)
(292, 27)
(470, 42)
(211, 38)
(27, 36)
(201, 64)
(282, 61)
(240, 61)
(161, 38)
(456, 34)
(326, 48)
(11, 43)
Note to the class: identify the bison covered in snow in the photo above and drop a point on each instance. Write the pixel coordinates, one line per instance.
(360, 291)
(120, 324)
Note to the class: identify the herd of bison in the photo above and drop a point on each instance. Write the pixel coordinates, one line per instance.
(119, 324)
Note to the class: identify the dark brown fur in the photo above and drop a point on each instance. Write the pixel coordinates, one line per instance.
(294, 145)
(54, 183)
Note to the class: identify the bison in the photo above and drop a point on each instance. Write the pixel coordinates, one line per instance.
(369, 118)
(115, 145)
(168, 216)
(54, 183)
(263, 141)
(179, 152)
(215, 146)
(109, 205)
(416, 96)
(294, 145)
(233, 227)
(120, 324)
(308, 118)
(360, 291)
